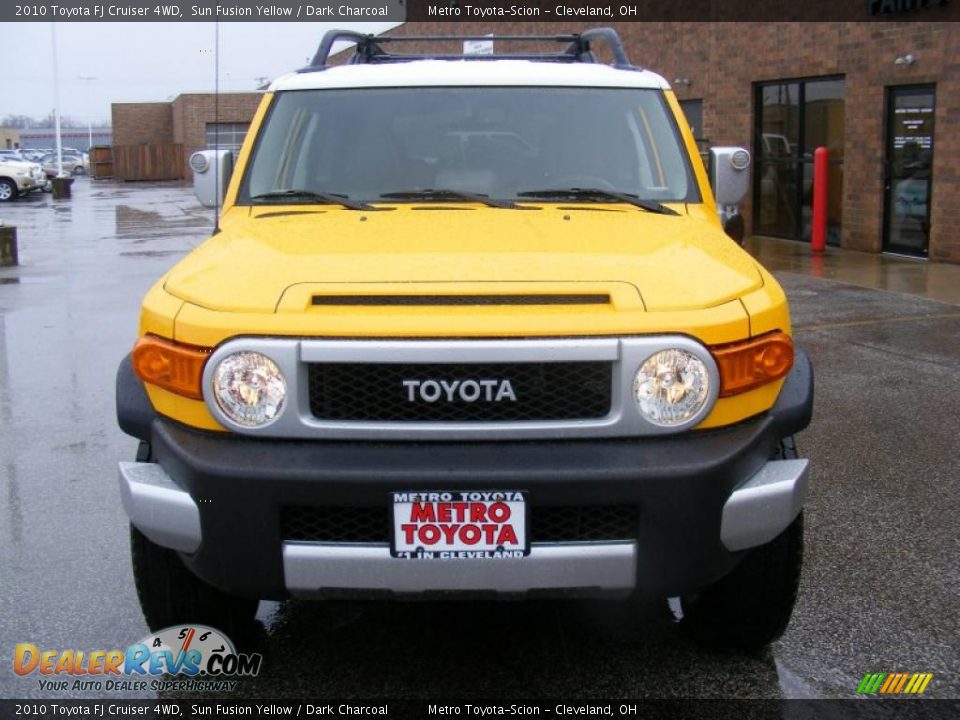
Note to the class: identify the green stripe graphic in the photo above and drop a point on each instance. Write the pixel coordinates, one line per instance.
(871, 683)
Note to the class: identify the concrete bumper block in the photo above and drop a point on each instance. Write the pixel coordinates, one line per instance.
(8, 246)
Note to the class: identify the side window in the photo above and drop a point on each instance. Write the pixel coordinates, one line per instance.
(294, 148)
(661, 166)
(641, 142)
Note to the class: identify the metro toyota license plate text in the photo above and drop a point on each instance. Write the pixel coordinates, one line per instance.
(459, 525)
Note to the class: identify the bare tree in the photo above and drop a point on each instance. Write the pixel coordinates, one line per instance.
(25, 122)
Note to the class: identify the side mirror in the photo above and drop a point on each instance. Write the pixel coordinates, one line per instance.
(211, 175)
(732, 222)
(729, 174)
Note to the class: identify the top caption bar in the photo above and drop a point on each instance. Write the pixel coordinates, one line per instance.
(571, 12)
(206, 11)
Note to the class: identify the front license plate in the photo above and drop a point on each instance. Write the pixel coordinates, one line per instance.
(459, 525)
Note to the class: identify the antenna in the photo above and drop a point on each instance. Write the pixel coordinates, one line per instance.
(216, 128)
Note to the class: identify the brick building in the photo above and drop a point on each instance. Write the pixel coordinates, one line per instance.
(9, 138)
(884, 98)
(193, 120)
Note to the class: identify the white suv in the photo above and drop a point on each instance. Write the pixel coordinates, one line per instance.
(18, 177)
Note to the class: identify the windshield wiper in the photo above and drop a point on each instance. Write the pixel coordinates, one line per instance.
(599, 194)
(431, 194)
(317, 197)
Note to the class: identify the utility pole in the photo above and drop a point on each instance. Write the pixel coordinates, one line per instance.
(56, 99)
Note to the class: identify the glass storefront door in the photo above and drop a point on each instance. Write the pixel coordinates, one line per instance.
(777, 153)
(793, 119)
(908, 170)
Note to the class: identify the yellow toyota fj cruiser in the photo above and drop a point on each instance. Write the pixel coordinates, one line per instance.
(468, 325)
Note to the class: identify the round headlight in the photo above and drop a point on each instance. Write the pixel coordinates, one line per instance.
(671, 387)
(249, 388)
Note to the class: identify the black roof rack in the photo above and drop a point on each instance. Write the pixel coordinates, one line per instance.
(369, 48)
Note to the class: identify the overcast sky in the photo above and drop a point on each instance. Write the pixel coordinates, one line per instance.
(135, 62)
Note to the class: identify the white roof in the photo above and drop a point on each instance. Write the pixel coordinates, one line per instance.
(434, 73)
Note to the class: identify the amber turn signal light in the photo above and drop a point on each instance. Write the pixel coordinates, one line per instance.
(747, 365)
(172, 366)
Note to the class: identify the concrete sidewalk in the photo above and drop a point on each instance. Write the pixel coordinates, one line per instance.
(934, 281)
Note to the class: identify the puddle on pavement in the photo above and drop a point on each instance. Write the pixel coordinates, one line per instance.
(134, 223)
(33, 280)
(151, 253)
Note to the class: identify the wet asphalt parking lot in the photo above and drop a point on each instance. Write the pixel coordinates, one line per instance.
(880, 584)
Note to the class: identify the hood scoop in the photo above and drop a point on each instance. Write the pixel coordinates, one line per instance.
(408, 299)
(462, 300)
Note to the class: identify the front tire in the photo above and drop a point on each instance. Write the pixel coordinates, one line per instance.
(751, 607)
(170, 594)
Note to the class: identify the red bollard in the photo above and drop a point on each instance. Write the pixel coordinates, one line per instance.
(818, 233)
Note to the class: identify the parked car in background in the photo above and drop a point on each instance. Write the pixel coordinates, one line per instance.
(18, 177)
(37, 173)
(72, 164)
(77, 152)
(8, 154)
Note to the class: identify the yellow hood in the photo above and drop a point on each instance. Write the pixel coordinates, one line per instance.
(277, 258)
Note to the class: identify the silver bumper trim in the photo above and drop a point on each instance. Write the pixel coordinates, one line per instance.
(311, 568)
(764, 505)
(158, 507)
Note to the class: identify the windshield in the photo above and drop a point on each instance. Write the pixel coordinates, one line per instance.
(500, 142)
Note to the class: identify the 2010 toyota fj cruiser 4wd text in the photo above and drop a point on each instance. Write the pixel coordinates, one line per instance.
(470, 324)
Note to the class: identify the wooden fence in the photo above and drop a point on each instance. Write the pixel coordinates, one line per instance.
(149, 162)
(101, 161)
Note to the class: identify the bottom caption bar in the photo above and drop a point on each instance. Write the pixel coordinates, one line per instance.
(648, 709)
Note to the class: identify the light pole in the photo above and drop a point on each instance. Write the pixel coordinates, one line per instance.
(88, 79)
(56, 99)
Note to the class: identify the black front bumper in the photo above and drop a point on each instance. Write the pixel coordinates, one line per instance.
(677, 484)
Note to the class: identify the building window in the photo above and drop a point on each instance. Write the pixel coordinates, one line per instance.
(793, 119)
(226, 136)
(693, 109)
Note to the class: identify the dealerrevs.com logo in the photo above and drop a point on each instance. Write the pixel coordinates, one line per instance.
(184, 657)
